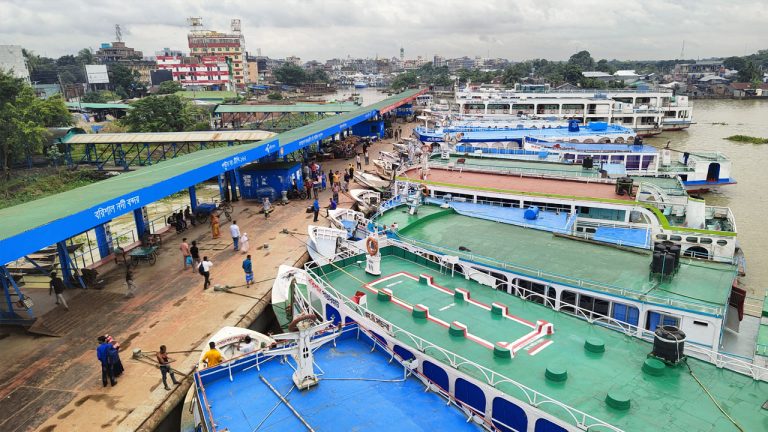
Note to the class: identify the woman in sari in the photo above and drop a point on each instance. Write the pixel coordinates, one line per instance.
(215, 233)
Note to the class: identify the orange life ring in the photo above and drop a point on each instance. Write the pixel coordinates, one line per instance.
(424, 190)
(372, 245)
(426, 149)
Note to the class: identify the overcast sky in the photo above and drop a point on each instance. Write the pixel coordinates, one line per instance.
(514, 29)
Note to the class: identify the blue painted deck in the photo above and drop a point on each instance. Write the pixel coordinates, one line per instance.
(546, 221)
(492, 135)
(634, 237)
(345, 405)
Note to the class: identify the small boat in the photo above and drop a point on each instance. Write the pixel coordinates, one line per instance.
(367, 200)
(372, 180)
(228, 338)
(323, 243)
(360, 84)
(353, 222)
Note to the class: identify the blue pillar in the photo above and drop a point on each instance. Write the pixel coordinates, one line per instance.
(65, 264)
(233, 184)
(222, 192)
(104, 239)
(192, 198)
(141, 225)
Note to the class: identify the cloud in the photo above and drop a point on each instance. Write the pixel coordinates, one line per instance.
(520, 29)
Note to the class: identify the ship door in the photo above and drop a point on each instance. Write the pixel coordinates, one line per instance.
(713, 172)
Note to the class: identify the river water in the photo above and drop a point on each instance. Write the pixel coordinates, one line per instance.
(749, 198)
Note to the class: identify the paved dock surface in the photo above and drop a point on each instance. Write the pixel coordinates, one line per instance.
(54, 383)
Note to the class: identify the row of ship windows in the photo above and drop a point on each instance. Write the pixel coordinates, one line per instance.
(699, 240)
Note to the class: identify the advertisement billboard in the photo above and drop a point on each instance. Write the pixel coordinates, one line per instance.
(97, 74)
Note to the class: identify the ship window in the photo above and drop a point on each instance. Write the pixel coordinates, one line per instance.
(675, 238)
(700, 323)
(705, 240)
(692, 239)
(661, 236)
(722, 242)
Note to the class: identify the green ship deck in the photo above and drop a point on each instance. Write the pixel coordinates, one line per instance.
(670, 401)
(699, 285)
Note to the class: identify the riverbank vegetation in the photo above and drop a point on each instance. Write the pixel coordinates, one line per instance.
(747, 139)
(31, 184)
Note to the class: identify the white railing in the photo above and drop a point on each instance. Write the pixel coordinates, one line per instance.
(719, 359)
(491, 377)
(567, 280)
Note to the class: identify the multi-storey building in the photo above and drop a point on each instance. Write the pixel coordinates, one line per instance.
(206, 71)
(115, 52)
(216, 45)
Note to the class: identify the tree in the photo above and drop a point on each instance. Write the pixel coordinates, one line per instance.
(24, 119)
(169, 113)
(604, 66)
(275, 96)
(516, 72)
(572, 73)
(85, 57)
(735, 63)
(318, 75)
(583, 59)
(102, 96)
(749, 73)
(126, 81)
(290, 74)
(404, 80)
(169, 87)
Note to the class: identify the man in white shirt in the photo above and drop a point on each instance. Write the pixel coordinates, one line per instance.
(247, 345)
(205, 270)
(235, 231)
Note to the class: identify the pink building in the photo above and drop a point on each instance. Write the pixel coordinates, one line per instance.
(205, 71)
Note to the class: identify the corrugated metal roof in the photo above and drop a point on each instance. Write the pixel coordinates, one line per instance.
(88, 105)
(170, 137)
(310, 108)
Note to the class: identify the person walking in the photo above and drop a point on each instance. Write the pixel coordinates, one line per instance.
(56, 285)
(186, 257)
(358, 162)
(308, 185)
(212, 357)
(323, 181)
(331, 179)
(205, 270)
(316, 209)
(335, 189)
(248, 269)
(235, 231)
(351, 170)
(366, 157)
(130, 284)
(244, 243)
(345, 185)
(215, 229)
(165, 366)
(104, 354)
(194, 252)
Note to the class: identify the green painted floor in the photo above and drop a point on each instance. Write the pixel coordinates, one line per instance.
(672, 402)
(564, 260)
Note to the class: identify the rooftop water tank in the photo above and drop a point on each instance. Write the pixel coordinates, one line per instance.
(668, 344)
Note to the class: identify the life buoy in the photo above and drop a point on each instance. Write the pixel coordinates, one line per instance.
(372, 245)
(424, 190)
(426, 149)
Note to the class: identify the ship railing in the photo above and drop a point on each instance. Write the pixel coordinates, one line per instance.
(491, 377)
(567, 280)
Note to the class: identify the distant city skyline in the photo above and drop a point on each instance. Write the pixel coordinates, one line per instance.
(520, 30)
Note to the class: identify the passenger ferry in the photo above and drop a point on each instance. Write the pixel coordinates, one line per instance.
(648, 111)
(698, 170)
(524, 349)
(513, 137)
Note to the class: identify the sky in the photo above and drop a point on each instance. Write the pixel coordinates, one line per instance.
(512, 29)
